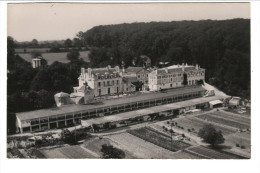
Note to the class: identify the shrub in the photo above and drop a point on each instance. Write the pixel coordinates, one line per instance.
(243, 147)
(192, 129)
(189, 130)
(168, 122)
(171, 131)
(182, 127)
(237, 145)
(183, 135)
(110, 151)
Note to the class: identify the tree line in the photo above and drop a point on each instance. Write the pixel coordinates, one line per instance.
(221, 47)
(54, 46)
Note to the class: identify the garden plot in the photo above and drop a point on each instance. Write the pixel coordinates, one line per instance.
(197, 124)
(159, 139)
(70, 152)
(233, 117)
(213, 154)
(140, 148)
(223, 121)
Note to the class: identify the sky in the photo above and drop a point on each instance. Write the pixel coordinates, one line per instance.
(57, 21)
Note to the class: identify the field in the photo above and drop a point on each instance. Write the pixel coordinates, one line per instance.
(213, 154)
(224, 119)
(197, 124)
(51, 57)
(159, 139)
(142, 149)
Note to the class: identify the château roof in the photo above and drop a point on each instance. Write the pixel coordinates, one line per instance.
(175, 69)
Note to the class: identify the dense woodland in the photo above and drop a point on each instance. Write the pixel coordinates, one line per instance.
(221, 47)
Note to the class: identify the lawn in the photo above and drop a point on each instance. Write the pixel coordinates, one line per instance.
(51, 57)
(159, 139)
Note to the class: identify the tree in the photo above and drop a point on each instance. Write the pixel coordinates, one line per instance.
(10, 46)
(68, 43)
(73, 55)
(110, 152)
(34, 43)
(77, 43)
(35, 54)
(211, 136)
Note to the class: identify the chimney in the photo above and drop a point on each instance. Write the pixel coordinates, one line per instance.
(108, 67)
(197, 67)
(117, 68)
(178, 65)
(82, 71)
(182, 66)
(186, 65)
(166, 70)
(89, 72)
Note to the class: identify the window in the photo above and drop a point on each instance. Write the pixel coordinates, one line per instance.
(108, 82)
(117, 82)
(99, 84)
(104, 83)
(117, 90)
(108, 91)
(99, 92)
(139, 76)
(147, 75)
(113, 82)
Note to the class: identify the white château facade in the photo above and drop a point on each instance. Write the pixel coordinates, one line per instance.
(172, 76)
(104, 81)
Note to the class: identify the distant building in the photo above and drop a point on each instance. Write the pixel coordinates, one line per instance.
(36, 62)
(173, 76)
